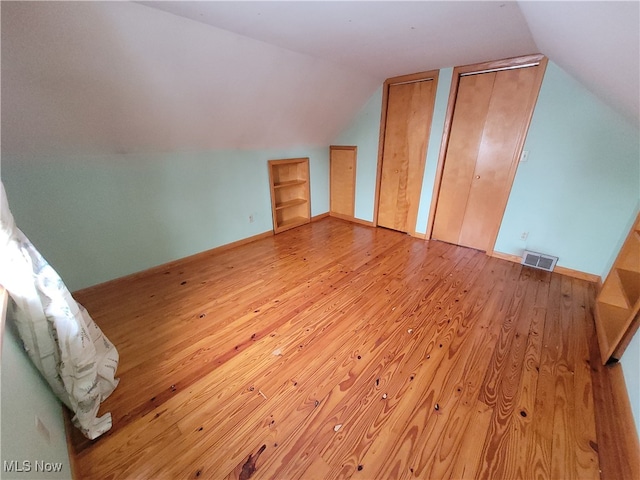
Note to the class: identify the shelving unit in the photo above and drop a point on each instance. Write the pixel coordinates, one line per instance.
(618, 303)
(290, 194)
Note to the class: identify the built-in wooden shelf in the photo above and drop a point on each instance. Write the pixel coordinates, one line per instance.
(289, 183)
(291, 203)
(290, 193)
(618, 304)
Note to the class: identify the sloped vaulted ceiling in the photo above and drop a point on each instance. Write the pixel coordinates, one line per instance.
(598, 42)
(110, 77)
(113, 77)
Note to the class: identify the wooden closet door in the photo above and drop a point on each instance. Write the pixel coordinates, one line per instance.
(472, 104)
(408, 123)
(490, 120)
(342, 181)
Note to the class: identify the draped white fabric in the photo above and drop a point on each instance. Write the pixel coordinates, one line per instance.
(60, 337)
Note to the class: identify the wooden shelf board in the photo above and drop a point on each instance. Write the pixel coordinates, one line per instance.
(289, 183)
(293, 221)
(612, 323)
(613, 291)
(290, 196)
(630, 281)
(630, 254)
(290, 203)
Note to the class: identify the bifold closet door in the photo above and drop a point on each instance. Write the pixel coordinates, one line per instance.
(408, 123)
(490, 119)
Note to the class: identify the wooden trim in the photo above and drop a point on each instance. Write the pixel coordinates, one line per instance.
(343, 147)
(453, 93)
(342, 216)
(503, 63)
(423, 164)
(359, 221)
(618, 445)
(319, 217)
(422, 236)
(506, 256)
(352, 219)
(174, 263)
(237, 243)
(413, 77)
(589, 277)
(444, 145)
(68, 433)
(383, 127)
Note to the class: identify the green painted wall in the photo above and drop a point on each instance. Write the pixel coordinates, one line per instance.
(96, 218)
(364, 132)
(26, 395)
(580, 185)
(433, 150)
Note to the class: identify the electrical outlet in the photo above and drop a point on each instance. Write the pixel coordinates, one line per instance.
(524, 235)
(525, 156)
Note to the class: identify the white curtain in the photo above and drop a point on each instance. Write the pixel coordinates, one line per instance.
(60, 337)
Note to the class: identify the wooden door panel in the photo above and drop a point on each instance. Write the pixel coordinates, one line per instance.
(342, 181)
(472, 104)
(491, 181)
(408, 122)
(392, 208)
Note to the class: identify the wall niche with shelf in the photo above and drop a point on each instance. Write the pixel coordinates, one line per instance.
(290, 193)
(618, 304)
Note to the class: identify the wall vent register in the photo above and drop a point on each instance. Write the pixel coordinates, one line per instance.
(539, 260)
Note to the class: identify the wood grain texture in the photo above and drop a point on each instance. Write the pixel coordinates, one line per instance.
(342, 181)
(290, 193)
(336, 350)
(497, 158)
(408, 113)
(490, 120)
(470, 210)
(472, 105)
(618, 303)
(569, 272)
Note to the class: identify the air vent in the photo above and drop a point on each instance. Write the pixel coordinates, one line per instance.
(539, 260)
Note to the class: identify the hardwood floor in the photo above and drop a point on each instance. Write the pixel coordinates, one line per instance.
(338, 350)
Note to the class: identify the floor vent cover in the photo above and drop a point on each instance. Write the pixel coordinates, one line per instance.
(539, 260)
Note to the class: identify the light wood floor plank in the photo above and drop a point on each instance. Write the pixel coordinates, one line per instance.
(336, 350)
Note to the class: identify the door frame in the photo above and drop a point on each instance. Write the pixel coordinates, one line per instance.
(414, 77)
(477, 68)
(354, 149)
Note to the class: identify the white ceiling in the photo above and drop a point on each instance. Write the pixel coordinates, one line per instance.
(380, 38)
(596, 42)
(120, 77)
